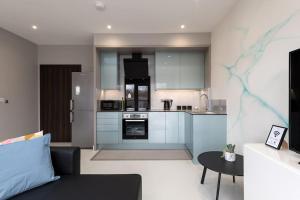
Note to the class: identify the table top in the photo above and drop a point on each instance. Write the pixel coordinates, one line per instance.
(213, 161)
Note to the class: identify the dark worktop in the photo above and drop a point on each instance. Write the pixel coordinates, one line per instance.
(192, 112)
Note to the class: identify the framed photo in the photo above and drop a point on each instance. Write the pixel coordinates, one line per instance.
(276, 136)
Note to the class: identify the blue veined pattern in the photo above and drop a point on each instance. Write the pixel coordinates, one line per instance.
(241, 71)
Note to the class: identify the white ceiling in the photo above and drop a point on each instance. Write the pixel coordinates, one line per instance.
(75, 21)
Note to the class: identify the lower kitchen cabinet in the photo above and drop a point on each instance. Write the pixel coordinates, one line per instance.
(172, 127)
(108, 138)
(157, 127)
(181, 127)
(188, 123)
(164, 127)
(109, 127)
(208, 133)
(199, 133)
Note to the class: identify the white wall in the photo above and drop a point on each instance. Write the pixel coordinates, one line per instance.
(250, 61)
(18, 83)
(66, 54)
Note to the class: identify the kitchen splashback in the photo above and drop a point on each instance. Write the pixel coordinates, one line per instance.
(180, 97)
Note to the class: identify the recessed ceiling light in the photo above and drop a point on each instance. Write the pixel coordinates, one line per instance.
(34, 27)
(182, 26)
(108, 27)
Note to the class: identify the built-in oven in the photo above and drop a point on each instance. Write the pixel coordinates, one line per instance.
(135, 126)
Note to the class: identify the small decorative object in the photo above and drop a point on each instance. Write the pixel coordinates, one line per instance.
(228, 153)
(276, 136)
(285, 145)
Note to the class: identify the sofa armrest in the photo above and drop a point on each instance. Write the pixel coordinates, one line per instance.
(66, 160)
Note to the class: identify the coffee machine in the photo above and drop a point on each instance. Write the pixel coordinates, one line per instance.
(167, 103)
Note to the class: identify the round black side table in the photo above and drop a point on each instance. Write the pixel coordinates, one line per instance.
(212, 160)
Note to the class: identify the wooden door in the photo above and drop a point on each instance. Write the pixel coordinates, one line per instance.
(55, 96)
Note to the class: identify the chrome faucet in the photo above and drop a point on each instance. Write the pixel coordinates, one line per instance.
(207, 101)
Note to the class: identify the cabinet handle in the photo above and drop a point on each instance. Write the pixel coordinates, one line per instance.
(71, 117)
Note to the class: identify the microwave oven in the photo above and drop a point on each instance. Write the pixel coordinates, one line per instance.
(111, 105)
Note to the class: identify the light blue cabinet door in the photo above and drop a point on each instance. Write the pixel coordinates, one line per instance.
(157, 127)
(172, 127)
(108, 127)
(181, 123)
(188, 131)
(167, 70)
(191, 70)
(109, 72)
(182, 69)
(209, 133)
(109, 137)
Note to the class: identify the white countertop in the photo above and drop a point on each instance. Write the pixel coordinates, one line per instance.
(285, 158)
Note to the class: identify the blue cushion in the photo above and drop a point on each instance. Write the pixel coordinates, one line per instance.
(25, 165)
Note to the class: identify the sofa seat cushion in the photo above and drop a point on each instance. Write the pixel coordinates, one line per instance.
(102, 187)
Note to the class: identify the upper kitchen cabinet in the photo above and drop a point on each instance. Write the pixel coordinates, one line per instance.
(191, 70)
(167, 70)
(181, 69)
(109, 70)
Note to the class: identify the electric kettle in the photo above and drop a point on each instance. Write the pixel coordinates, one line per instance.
(167, 103)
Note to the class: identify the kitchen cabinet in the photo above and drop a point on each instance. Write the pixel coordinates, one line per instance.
(164, 128)
(172, 127)
(167, 70)
(109, 70)
(181, 69)
(191, 70)
(181, 128)
(199, 133)
(208, 134)
(157, 127)
(188, 123)
(109, 127)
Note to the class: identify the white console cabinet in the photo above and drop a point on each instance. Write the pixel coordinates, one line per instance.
(270, 174)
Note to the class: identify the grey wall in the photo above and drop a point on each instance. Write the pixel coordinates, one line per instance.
(18, 83)
(67, 54)
(153, 40)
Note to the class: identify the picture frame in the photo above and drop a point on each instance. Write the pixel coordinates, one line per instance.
(276, 136)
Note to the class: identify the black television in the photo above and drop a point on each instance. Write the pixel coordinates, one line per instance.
(294, 101)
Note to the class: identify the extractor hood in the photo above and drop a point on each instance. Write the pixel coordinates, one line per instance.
(136, 67)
